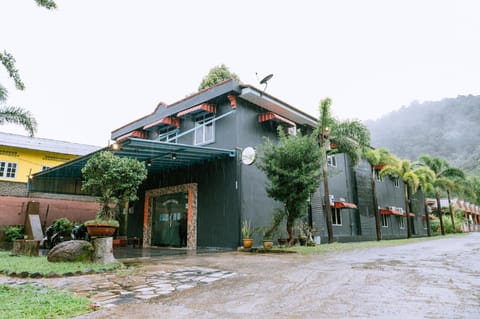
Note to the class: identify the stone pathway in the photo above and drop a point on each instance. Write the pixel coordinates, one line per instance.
(108, 290)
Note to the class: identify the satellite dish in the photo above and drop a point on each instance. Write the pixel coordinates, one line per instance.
(265, 81)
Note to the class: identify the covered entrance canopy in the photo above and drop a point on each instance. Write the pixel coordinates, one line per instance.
(158, 156)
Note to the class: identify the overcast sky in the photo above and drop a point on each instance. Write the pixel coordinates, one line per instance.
(93, 66)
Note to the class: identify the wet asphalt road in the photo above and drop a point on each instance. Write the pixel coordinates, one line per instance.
(432, 279)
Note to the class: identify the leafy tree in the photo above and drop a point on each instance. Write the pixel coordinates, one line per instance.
(113, 179)
(216, 75)
(291, 166)
(446, 178)
(412, 177)
(349, 137)
(17, 115)
(377, 158)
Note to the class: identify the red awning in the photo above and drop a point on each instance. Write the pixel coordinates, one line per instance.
(275, 117)
(344, 205)
(389, 212)
(171, 121)
(206, 107)
(409, 214)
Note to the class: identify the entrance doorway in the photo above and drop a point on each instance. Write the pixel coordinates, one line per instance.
(169, 220)
(170, 217)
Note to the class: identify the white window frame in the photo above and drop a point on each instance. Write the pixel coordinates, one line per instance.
(396, 182)
(168, 135)
(8, 169)
(401, 222)
(384, 220)
(336, 217)
(331, 161)
(201, 129)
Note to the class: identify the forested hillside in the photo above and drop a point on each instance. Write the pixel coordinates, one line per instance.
(449, 128)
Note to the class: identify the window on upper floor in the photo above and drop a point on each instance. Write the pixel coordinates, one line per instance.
(168, 134)
(204, 129)
(336, 216)
(331, 161)
(8, 169)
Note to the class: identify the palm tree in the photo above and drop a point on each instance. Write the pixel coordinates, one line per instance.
(349, 137)
(412, 178)
(17, 115)
(10, 114)
(377, 158)
(446, 178)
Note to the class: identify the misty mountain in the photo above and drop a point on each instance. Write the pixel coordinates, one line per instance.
(449, 128)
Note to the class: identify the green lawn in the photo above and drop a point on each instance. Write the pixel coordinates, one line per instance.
(36, 301)
(32, 302)
(40, 264)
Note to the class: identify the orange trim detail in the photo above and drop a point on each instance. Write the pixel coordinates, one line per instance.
(171, 120)
(207, 107)
(233, 100)
(269, 116)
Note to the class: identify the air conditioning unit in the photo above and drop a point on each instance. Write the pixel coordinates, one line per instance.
(292, 130)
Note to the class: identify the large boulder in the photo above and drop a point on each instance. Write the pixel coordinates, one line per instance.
(71, 251)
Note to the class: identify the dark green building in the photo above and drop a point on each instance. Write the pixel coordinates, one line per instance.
(201, 182)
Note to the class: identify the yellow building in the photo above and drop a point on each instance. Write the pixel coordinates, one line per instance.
(21, 156)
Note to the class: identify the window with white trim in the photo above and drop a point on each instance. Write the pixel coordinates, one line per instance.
(331, 161)
(336, 216)
(401, 222)
(168, 134)
(8, 169)
(384, 220)
(204, 129)
(396, 182)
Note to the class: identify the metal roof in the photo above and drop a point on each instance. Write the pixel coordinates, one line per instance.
(43, 144)
(158, 156)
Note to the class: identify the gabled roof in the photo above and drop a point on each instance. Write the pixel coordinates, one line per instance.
(44, 144)
(245, 92)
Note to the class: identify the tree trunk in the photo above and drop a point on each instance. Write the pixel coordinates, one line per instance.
(292, 239)
(440, 213)
(103, 250)
(378, 221)
(25, 247)
(427, 216)
(407, 215)
(452, 213)
(328, 208)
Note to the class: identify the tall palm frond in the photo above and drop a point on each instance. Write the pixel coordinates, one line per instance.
(17, 115)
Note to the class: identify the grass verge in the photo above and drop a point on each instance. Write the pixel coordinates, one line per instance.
(336, 247)
(32, 302)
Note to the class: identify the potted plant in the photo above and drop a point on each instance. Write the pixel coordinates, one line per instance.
(115, 181)
(247, 234)
(269, 232)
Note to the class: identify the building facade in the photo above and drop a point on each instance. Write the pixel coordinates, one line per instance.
(201, 181)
